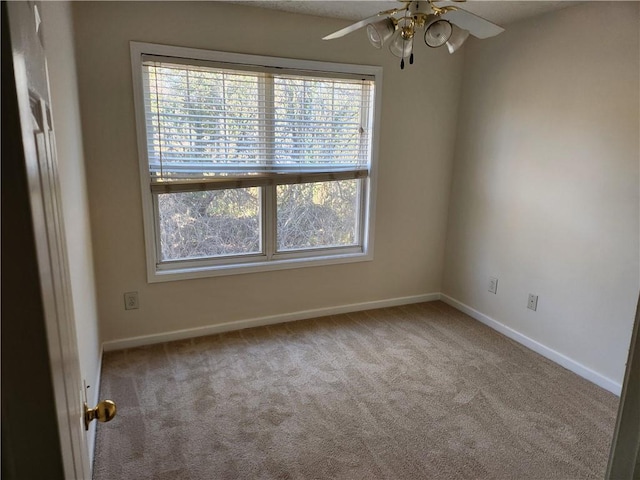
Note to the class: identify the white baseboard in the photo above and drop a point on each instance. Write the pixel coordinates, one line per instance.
(260, 321)
(537, 347)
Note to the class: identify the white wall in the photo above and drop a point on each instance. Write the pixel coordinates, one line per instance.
(545, 193)
(58, 36)
(416, 149)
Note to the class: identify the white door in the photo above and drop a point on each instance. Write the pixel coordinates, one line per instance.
(49, 249)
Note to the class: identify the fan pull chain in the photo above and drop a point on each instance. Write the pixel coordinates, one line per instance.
(404, 40)
(411, 56)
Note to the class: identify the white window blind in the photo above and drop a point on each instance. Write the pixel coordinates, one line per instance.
(212, 126)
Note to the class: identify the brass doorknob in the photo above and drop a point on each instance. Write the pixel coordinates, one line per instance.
(103, 412)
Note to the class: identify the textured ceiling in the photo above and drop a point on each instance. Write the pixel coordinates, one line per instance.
(501, 12)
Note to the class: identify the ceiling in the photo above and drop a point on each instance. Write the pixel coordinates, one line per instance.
(500, 12)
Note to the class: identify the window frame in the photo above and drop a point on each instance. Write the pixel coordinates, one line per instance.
(270, 258)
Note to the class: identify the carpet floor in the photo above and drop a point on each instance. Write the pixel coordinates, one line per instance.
(413, 392)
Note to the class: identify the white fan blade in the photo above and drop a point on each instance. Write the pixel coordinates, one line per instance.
(358, 25)
(477, 26)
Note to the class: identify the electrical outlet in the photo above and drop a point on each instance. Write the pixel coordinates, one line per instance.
(131, 301)
(533, 302)
(493, 285)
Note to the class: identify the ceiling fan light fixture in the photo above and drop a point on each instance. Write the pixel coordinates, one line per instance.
(402, 42)
(457, 38)
(381, 31)
(437, 33)
(442, 25)
(401, 46)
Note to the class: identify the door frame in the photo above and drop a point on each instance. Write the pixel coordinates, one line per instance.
(624, 458)
(42, 395)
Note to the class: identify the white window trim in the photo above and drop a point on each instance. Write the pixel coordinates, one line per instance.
(183, 270)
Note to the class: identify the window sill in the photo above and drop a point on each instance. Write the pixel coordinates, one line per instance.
(203, 271)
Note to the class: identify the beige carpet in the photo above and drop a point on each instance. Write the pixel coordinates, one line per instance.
(413, 392)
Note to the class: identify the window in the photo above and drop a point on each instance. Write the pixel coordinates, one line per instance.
(253, 163)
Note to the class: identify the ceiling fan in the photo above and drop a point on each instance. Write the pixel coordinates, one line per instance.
(447, 25)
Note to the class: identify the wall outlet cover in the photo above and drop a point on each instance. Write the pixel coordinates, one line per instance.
(532, 304)
(131, 301)
(493, 285)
